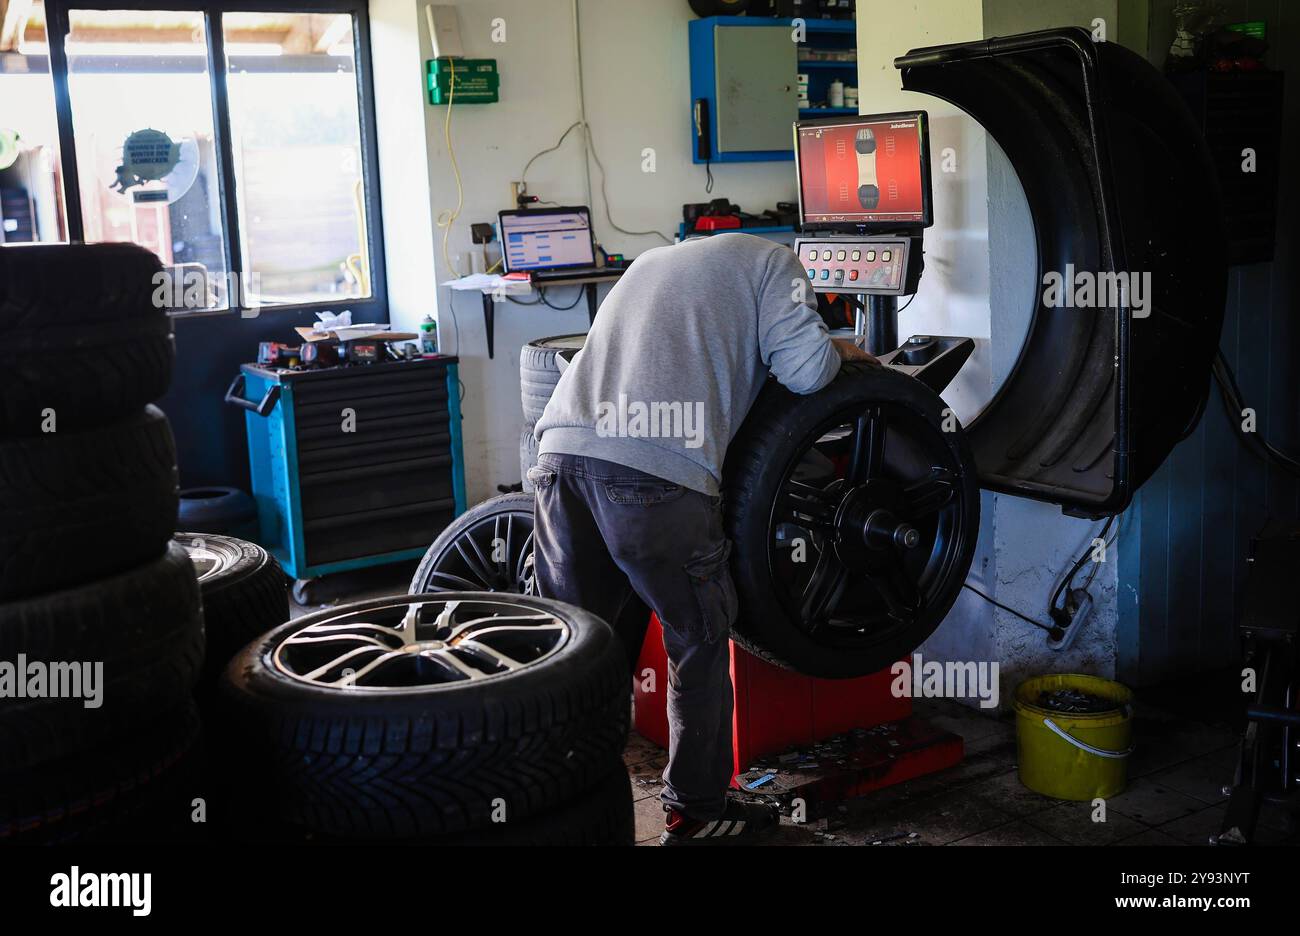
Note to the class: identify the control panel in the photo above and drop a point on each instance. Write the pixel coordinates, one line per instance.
(881, 266)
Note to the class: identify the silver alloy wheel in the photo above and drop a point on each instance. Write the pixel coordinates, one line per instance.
(421, 641)
(210, 556)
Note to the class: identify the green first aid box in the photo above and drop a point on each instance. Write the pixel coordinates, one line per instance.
(477, 81)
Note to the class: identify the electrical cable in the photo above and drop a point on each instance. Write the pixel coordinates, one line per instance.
(1010, 610)
(591, 146)
(582, 97)
(582, 291)
(1055, 629)
(455, 324)
(604, 196)
(447, 217)
(510, 298)
(1065, 582)
(1235, 405)
(523, 176)
(708, 177)
(604, 193)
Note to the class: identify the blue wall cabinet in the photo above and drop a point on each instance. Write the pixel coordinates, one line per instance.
(353, 466)
(745, 69)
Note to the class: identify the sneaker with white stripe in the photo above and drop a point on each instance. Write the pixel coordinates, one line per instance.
(739, 824)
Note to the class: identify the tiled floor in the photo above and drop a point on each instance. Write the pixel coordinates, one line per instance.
(1174, 796)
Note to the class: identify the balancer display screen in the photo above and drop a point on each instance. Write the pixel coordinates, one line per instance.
(869, 170)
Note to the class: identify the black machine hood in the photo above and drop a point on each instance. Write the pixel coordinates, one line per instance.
(1118, 179)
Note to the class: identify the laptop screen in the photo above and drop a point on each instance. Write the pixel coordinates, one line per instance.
(546, 240)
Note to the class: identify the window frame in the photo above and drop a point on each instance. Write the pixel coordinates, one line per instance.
(373, 308)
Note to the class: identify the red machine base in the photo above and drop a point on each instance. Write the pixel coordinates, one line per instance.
(879, 741)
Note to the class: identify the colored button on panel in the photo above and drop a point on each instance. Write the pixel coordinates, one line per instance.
(871, 256)
(826, 274)
(812, 274)
(839, 276)
(853, 275)
(886, 256)
(841, 255)
(826, 254)
(857, 255)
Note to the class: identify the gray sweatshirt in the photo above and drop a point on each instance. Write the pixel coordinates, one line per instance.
(679, 351)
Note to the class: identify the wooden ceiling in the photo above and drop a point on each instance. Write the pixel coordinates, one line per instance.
(22, 22)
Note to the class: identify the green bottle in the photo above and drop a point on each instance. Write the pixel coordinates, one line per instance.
(428, 336)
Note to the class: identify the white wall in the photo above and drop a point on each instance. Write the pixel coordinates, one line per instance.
(979, 281)
(638, 95)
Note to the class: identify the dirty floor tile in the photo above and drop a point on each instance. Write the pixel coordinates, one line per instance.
(1073, 823)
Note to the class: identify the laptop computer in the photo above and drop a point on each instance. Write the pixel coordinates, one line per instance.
(548, 243)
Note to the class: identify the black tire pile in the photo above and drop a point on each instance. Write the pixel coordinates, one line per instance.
(89, 577)
(539, 372)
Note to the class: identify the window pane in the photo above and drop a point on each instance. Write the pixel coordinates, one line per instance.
(31, 185)
(146, 160)
(292, 84)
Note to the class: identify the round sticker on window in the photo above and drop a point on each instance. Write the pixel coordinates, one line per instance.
(151, 156)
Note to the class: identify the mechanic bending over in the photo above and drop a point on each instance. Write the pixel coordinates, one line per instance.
(631, 452)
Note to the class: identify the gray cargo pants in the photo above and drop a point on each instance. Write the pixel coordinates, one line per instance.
(606, 535)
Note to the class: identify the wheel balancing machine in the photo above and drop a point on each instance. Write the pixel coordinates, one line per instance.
(881, 493)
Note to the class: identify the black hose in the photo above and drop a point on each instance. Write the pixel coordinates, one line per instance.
(1235, 406)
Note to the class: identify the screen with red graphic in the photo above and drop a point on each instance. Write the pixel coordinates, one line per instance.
(872, 170)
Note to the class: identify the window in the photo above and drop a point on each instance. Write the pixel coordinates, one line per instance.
(297, 154)
(234, 140)
(31, 184)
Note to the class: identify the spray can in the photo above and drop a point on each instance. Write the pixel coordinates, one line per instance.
(428, 336)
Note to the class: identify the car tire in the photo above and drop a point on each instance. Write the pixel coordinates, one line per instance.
(539, 371)
(222, 510)
(80, 506)
(452, 563)
(144, 626)
(84, 342)
(426, 759)
(604, 815)
(460, 559)
(770, 439)
(139, 788)
(244, 594)
(527, 454)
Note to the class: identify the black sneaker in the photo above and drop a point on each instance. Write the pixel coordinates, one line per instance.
(739, 824)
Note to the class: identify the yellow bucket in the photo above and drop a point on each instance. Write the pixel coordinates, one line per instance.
(1073, 756)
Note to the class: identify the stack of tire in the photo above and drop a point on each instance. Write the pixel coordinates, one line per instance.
(539, 371)
(528, 755)
(94, 595)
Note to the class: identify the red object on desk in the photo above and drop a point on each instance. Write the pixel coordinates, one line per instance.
(776, 709)
(716, 223)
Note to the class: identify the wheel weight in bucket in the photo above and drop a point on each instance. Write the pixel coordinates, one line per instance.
(1073, 751)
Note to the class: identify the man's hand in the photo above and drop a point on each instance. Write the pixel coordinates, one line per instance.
(850, 350)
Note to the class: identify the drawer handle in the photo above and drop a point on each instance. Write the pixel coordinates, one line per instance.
(235, 395)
